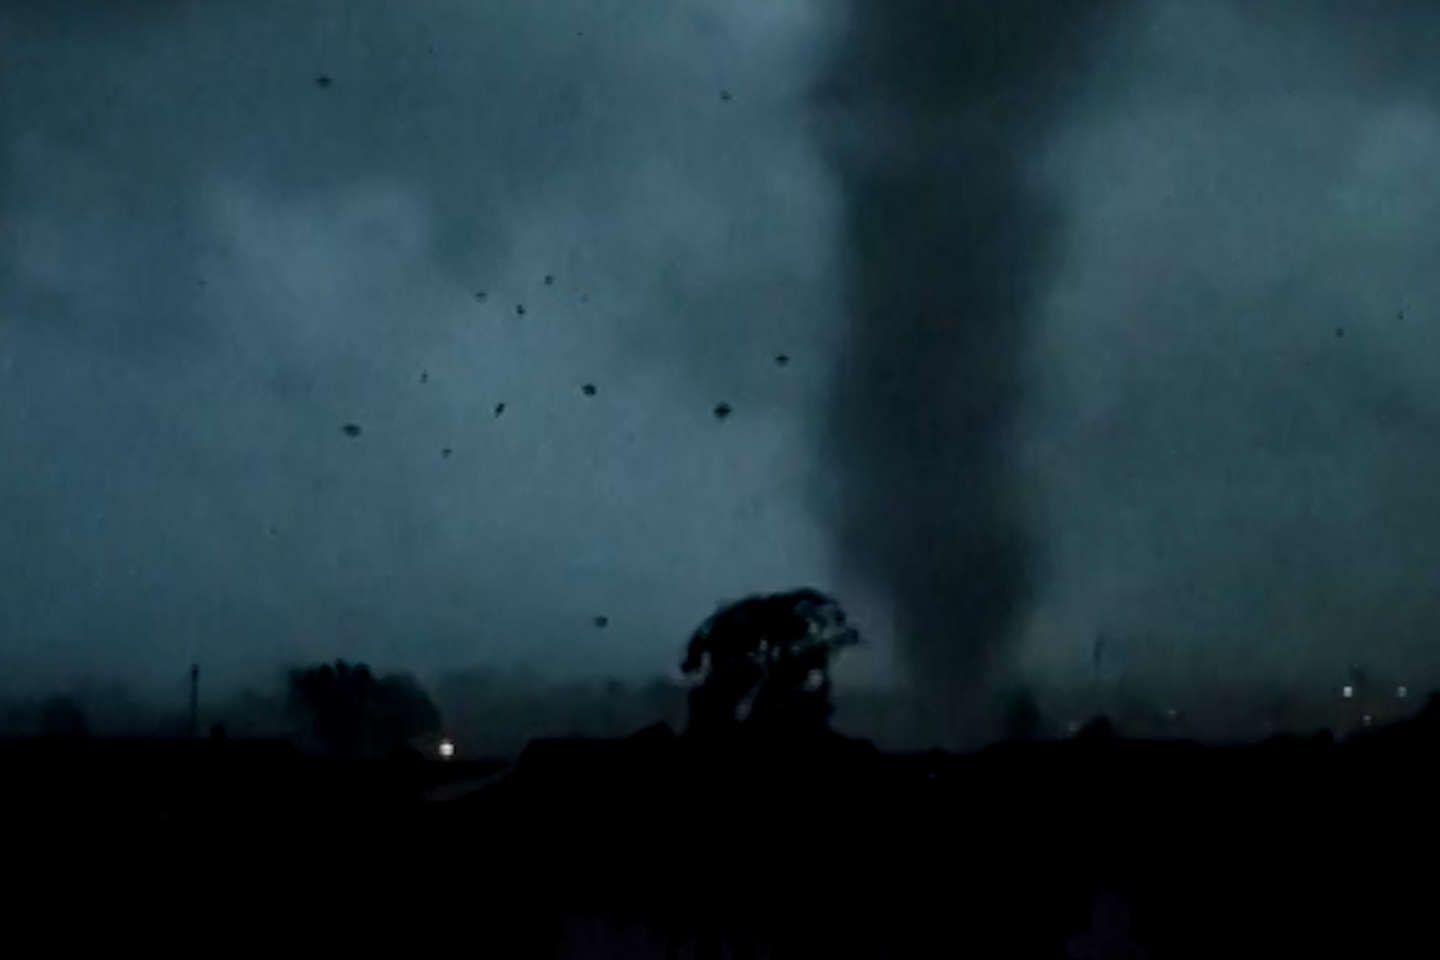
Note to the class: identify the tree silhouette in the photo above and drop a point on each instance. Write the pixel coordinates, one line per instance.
(763, 665)
(350, 712)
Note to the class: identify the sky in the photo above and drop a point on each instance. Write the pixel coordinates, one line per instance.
(1096, 319)
(214, 260)
(1233, 411)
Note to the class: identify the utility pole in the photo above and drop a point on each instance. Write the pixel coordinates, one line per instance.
(194, 699)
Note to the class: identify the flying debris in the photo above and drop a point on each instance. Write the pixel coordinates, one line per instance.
(782, 359)
(549, 280)
(602, 622)
(481, 296)
(725, 95)
(722, 410)
(351, 429)
(588, 389)
(499, 409)
(424, 376)
(323, 81)
(1339, 331)
(519, 309)
(445, 453)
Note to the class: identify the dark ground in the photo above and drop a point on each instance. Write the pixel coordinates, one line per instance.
(656, 846)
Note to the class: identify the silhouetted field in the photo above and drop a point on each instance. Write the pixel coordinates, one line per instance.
(657, 845)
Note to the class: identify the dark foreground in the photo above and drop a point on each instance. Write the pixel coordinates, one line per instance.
(655, 846)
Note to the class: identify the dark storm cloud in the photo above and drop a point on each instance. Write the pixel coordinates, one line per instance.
(1072, 318)
(1142, 339)
(213, 261)
(1233, 423)
(936, 109)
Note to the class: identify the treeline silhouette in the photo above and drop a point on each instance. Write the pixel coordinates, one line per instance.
(750, 827)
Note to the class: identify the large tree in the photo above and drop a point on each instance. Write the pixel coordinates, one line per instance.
(348, 711)
(763, 664)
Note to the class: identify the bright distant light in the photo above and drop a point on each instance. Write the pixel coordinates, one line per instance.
(447, 749)
(1347, 691)
(1402, 691)
(1367, 720)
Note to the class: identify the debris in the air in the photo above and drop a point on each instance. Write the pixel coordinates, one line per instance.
(499, 409)
(725, 95)
(588, 389)
(549, 280)
(1339, 331)
(323, 81)
(584, 298)
(519, 309)
(274, 531)
(602, 622)
(480, 295)
(445, 453)
(424, 376)
(722, 410)
(782, 359)
(200, 283)
(351, 429)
